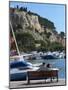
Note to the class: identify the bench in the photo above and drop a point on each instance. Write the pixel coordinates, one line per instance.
(37, 75)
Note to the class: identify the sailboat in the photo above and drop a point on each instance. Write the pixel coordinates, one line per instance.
(19, 66)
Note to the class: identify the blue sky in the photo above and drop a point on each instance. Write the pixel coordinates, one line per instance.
(53, 12)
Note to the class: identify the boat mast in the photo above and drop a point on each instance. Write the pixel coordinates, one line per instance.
(14, 38)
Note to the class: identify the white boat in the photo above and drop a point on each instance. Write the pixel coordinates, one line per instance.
(18, 70)
(18, 65)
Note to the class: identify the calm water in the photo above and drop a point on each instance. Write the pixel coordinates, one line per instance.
(56, 63)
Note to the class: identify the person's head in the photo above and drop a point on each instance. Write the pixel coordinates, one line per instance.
(43, 63)
(48, 65)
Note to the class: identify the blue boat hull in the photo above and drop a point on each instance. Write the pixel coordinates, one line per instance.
(48, 57)
(18, 76)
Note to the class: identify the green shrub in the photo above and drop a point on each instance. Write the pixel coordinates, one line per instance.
(55, 46)
(25, 41)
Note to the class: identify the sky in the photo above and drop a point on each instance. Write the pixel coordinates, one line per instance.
(53, 12)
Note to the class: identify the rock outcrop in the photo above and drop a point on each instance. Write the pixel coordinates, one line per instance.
(22, 21)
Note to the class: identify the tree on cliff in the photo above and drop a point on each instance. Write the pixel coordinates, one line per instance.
(62, 34)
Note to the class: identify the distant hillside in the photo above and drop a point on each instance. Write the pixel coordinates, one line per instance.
(34, 32)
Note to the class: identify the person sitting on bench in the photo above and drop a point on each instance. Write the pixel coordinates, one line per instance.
(48, 66)
(42, 67)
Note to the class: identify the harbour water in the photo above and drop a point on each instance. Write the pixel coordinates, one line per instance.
(56, 63)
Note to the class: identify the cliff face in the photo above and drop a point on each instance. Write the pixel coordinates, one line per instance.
(22, 22)
(26, 20)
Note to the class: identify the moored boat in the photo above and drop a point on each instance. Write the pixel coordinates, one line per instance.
(48, 57)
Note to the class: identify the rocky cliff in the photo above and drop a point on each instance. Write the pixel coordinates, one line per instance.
(40, 28)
